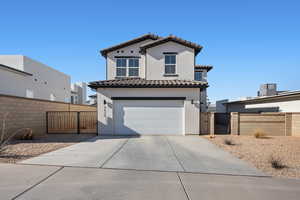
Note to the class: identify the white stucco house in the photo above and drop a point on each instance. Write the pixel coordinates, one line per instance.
(24, 77)
(153, 87)
(282, 102)
(78, 93)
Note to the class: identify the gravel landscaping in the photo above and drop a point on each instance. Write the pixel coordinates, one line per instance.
(260, 151)
(18, 150)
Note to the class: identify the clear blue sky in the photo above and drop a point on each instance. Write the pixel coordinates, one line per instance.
(247, 42)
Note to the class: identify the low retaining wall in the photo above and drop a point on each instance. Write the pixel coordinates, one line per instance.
(31, 113)
(274, 124)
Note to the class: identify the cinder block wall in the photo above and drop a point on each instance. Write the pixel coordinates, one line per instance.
(31, 113)
(273, 124)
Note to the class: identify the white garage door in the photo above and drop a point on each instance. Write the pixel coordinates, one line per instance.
(152, 117)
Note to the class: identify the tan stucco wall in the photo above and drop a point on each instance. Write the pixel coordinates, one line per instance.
(156, 62)
(111, 60)
(105, 112)
(152, 65)
(31, 113)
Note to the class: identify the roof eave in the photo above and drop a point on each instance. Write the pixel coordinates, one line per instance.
(194, 46)
(262, 99)
(130, 86)
(206, 67)
(95, 86)
(105, 51)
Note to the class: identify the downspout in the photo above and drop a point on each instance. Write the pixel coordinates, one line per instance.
(200, 104)
(145, 63)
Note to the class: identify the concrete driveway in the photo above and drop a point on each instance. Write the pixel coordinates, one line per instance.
(33, 182)
(152, 168)
(154, 153)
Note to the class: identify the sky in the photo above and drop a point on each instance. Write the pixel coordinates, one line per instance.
(247, 42)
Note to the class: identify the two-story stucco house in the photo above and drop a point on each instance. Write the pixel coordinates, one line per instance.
(153, 87)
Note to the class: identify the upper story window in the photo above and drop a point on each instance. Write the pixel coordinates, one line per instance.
(170, 64)
(133, 67)
(198, 75)
(127, 67)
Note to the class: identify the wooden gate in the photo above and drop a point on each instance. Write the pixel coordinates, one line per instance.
(222, 123)
(71, 122)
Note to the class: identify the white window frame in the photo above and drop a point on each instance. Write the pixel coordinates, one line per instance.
(127, 67)
(201, 75)
(170, 64)
(121, 67)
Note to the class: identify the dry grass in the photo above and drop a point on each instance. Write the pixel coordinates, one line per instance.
(259, 134)
(276, 163)
(228, 141)
(18, 150)
(284, 149)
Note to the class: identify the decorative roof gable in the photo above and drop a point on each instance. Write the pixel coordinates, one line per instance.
(172, 38)
(127, 43)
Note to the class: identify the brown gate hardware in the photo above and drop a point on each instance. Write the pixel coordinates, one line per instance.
(71, 122)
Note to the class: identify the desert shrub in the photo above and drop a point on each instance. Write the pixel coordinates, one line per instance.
(228, 142)
(259, 134)
(277, 163)
(5, 136)
(28, 135)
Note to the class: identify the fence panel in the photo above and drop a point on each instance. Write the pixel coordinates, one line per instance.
(72, 122)
(88, 122)
(275, 124)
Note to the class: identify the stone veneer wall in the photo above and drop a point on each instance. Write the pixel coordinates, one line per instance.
(31, 113)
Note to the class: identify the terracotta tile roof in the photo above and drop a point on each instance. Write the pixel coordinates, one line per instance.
(129, 42)
(206, 67)
(173, 38)
(143, 83)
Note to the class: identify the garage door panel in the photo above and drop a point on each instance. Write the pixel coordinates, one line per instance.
(148, 117)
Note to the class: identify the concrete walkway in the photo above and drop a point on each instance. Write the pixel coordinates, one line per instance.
(155, 153)
(32, 182)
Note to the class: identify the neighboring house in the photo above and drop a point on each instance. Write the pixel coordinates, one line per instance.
(211, 108)
(153, 87)
(268, 99)
(21, 76)
(78, 93)
(283, 102)
(268, 89)
(92, 99)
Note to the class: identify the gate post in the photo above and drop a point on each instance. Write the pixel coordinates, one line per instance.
(47, 122)
(78, 122)
(234, 123)
(212, 124)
